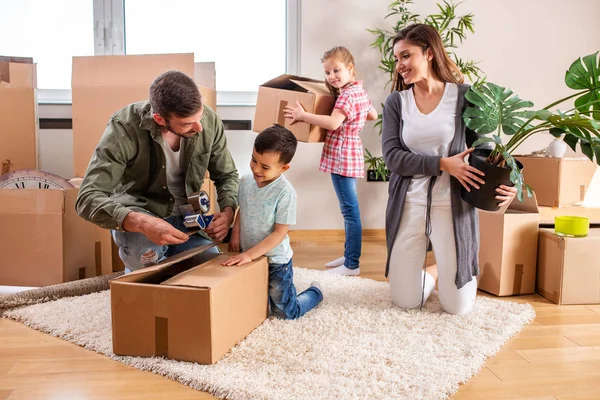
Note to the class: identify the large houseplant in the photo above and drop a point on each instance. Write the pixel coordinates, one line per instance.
(453, 30)
(497, 110)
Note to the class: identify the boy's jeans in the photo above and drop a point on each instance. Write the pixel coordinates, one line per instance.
(137, 251)
(345, 189)
(283, 301)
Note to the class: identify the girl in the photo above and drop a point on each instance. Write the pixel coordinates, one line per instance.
(342, 155)
(424, 142)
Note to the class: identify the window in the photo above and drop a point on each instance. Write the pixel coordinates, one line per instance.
(246, 39)
(43, 30)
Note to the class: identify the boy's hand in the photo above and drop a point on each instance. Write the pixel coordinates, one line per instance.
(294, 113)
(238, 259)
(234, 245)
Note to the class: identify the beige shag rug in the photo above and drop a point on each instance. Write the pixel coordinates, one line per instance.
(354, 345)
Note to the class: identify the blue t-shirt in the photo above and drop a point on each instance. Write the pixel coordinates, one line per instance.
(261, 209)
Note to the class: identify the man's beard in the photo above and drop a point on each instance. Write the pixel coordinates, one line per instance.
(170, 128)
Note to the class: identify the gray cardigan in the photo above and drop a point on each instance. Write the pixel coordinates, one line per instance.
(403, 164)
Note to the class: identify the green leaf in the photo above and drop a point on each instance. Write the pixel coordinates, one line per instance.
(556, 132)
(584, 74)
(571, 140)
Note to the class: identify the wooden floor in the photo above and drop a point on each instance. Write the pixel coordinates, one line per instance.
(555, 357)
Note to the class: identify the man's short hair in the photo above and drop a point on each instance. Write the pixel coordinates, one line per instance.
(277, 139)
(173, 92)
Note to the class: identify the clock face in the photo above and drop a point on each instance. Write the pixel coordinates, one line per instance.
(33, 179)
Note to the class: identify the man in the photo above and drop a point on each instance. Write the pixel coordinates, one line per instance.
(152, 156)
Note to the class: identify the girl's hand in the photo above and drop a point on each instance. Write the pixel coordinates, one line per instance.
(294, 113)
(458, 168)
(507, 194)
(238, 259)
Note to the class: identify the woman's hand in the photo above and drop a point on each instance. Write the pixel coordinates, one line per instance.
(294, 113)
(506, 194)
(458, 168)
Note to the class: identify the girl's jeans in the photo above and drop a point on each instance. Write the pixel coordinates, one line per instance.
(345, 189)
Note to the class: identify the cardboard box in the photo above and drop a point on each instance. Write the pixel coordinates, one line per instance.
(18, 113)
(558, 182)
(508, 248)
(569, 268)
(276, 94)
(189, 307)
(44, 241)
(101, 85)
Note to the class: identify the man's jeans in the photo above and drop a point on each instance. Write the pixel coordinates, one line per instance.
(283, 301)
(137, 251)
(345, 189)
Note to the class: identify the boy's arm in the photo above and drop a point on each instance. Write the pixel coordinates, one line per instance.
(263, 247)
(234, 241)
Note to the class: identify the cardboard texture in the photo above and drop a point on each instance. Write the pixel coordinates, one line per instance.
(101, 85)
(569, 268)
(558, 182)
(508, 248)
(18, 112)
(276, 94)
(45, 242)
(189, 307)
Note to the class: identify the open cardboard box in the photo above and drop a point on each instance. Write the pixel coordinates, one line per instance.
(276, 94)
(508, 248)
(189, 307)
(18, 112)
(558, 182)
(568, 269)
(44, 241)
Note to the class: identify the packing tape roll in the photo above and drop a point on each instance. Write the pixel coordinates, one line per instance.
(200, 201)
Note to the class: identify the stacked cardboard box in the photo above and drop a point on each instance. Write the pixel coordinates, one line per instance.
(18, 113)
(189, 307)
(508, 248)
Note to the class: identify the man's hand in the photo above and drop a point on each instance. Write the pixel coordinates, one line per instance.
(458, 168)
(220, 224)
(156, 229)
(238, 259)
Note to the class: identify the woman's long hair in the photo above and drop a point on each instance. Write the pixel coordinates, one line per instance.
(426, 37)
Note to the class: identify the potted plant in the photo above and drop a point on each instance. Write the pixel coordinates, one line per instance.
(376, 168)
(497, 110)
(452, 28)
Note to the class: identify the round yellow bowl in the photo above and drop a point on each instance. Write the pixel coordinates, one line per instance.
(571, 226)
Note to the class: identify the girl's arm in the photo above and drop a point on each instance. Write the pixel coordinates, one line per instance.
(329, 122)
(263, 247)
(372, 115)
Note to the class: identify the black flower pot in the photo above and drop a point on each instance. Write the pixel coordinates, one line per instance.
(484, 198)
(372, 176)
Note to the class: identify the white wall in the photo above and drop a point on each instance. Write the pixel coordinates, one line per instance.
(526, 45)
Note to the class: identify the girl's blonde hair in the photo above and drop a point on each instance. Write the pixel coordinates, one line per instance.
(342, 54)
(426, 37)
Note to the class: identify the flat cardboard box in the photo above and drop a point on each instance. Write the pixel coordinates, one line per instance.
(558, 182)
(101, 85)
(189, 307)
(44, 241)
(569, 268)
(508, 248)
(276, 94)
(18, 113)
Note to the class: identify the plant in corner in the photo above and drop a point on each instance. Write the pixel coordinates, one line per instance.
(376, 168)
(453, 31)
(497, 110)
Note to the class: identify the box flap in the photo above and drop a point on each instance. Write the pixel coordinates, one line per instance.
(205, 75)
(32, 201)
(289, 82)
(316, 87)
(17, 72)
(529, 204)
(207, 275)
(167, 262)
(127, 70)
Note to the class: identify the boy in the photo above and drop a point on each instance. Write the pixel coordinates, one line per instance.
(267, 203)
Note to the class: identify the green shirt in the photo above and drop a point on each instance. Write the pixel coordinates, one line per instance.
(127, 171)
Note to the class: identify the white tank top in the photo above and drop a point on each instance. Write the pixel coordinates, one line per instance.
(175, 176)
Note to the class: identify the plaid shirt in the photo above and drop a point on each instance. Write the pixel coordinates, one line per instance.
(343, 151)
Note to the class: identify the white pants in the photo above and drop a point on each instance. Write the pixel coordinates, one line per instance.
(408, 254)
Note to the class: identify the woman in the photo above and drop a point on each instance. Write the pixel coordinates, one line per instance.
(425, 141)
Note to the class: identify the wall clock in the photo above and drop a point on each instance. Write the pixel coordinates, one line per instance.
(33, 179)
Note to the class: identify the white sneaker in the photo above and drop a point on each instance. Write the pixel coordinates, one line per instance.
(343, 270)
(336, 263)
